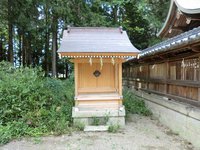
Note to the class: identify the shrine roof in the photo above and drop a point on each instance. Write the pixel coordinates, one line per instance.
(91, 40)
(183, 16)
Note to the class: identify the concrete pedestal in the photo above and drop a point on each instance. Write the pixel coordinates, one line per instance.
(105, 117)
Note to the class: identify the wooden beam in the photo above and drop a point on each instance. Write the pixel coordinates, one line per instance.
(199, 79)
(120, 79)
(148, 75)
(195, 49)
(76, 78)
(116, 77)
(166, 77)
(77, 54)
(194, 84)
(179, 28)
(160, 56)
(188, 20)
(97, 60)
(178, 14)
(178, 98)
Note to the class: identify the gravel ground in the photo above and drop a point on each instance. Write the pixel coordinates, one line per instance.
(140, 133)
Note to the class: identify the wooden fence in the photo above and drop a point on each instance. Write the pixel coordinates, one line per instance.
(177, 79)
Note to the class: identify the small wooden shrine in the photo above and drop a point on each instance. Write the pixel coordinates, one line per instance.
(97, 54)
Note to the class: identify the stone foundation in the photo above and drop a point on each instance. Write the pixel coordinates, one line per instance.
(183, 119)
(105, 117)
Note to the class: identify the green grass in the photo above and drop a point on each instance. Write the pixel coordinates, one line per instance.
(79, 126)
(134, 104)
(113, 128)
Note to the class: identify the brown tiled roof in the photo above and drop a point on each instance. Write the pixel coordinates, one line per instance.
(96, 40)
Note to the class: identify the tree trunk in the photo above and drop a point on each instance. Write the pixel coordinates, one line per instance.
(54, 46)
(46, 61)
(115, 14)
(1, 50)
(23, 49)
(67, 70)
(29, 53)
(47, 53)
(20, 47)
(10, 33)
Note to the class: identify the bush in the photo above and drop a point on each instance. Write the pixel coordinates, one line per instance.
(31, 104)
(134, 104)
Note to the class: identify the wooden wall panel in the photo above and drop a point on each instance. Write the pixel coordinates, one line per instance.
(183, 91)
(86, 77)
(158, 71)
(87, 82)
(107, 77)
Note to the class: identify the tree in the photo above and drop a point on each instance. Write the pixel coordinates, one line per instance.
(136, 25)
(3, 30)
(155, 11)
(31, 30)
(10, 31)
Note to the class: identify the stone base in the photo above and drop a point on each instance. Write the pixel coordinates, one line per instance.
(96, 128)
(181, 118)
(104, 117)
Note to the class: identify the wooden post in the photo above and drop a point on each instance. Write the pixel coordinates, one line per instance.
(166, 77)
(199, 79)
(116, 78)
(183, 73)
(76, 78)
(120, 78)
(148, 76)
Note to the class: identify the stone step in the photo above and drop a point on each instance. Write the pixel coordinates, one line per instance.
(96, 128)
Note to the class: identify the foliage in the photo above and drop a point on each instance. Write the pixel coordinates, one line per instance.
(79, 125)
(113, 128)
(155, 12)
(95, 121)
(31, 104)
(37, 26)
(136, 25)
(134, 104)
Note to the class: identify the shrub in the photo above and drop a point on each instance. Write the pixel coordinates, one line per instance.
(31, 104)
(134, 104)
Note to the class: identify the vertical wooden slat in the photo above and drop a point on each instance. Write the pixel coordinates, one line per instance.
(120, 78)
(116, 77)
(148, 75)
(183, 74)
(199, 79)
(166, 77)
(76, 78)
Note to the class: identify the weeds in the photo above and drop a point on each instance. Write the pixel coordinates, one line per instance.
(113, 128)
(79, 125)
(134, 104)
(95, 121)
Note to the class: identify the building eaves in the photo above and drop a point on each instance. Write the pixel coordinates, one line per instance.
(188, 6)
(184, 38)
(182, 16)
